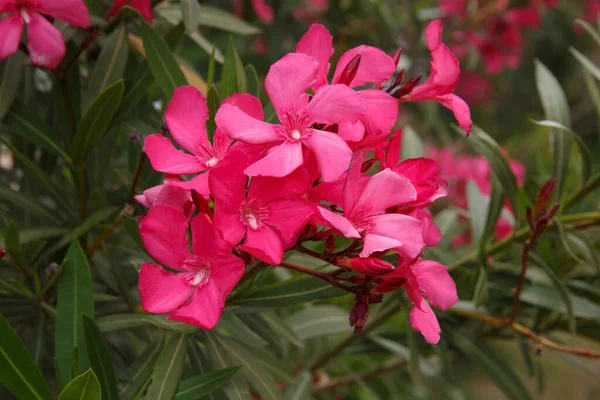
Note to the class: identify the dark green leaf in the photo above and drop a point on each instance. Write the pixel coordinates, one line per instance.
(116, 322)
(525, 352)
(164, 67)
(100, 359)
(233, 74)
(302, 389)
(590, 29)
(210, 75)
(131, 227)
(168, 368)
(481, 287)
(318, 321)
(84, 387)
(190, 10)
(253, 81)
(10, 78)
(12, 241)
(586, 63)
(478, 210)
(17, 370)
(95, 122)
(74, 299)
(496, 204)
(110, 66)
(193, 388)
(556, 109)
(141, 370)
(218, 18)
(547, 297)
(214, 101)
(237, 388)
(175, 326)
(26, 203)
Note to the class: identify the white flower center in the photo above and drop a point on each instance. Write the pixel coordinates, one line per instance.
(200, 277)
(212, 162)
(25, 15)
(251, 221)
(296, 135)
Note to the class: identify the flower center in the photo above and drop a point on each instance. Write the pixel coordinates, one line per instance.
(296, 135)
(197, 271)
(199, 277)
(253, 212)
(25, 15)
(212, 162)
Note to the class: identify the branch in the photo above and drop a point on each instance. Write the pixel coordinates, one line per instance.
(583, 191)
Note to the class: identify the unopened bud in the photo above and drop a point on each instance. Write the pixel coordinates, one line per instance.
(201, 203)
(406, 89)
(51, 270)
(396, 56)
(543, 197)
(2, 253)
(359, 314)
(367, 164)
(348, 74)
(371, 266)
(330, 244)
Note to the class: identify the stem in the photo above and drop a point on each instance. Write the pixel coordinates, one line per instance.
(523, 330)
(317, 274)
(82, 196)
(583, 191)
(136, 178)
(524, 263)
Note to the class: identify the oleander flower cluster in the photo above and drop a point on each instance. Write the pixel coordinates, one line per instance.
(326, 169)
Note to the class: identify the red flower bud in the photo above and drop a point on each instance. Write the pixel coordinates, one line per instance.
(543, 197)
(359, 313)
(2, 253)
(349, 72)
(396, 56)
(330, 244)
(201, 203)
(367, 164)
(371, 266)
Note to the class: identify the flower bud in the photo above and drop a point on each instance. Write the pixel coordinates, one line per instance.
(396, 56)
(2, 253)
(371, 266)
(359, 313)
(329, 244)
(348, 74)
(201, 203)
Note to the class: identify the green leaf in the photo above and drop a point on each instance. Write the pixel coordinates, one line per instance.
(218, 18)
(74, 299)
(25, 202)
(237, 388)
(110, 66)
(282, 329)
(287, 293)
(168, 368)
(84, 387)
(191, 13)
(131, 227)
(12, 241)
(17, 370)
(495, 367)
(593, 91)
(214, 101)
(586, 156)
(316, 321)
(253, 81)
(485, 145)
(556, 109)
(100, 359)
(480, 293)
(116, 322)
(549, 298)
(560, 287)
(412, 145)
(586, 63)
(494, 210)
(525, 352)
(164, 67)
(95, 122)
(175, 326)
(193, 388)
(590, 29)
(261, 380)
(10, 78)
(210, 75)
(233, 74)
(141, 370)
(478, 210)
(302, 389)
(261, 327)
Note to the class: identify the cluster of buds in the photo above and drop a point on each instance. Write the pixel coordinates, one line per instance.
(260, 189)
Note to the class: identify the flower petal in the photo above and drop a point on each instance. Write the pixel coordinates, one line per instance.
(263, 11)
(265, 244)
(229, 224)
(204, 309)
(227, 181)
(186, 117)
(289, 217)
(162, 291)
(351, 132)
(10, 32)
(45, 43)
(281, 160)
(73, 12)
(332, 104)
(199, 183)
(226, 272)
(144, 7)
(460, 108)
(381, 111)
(164, 235)
(443, 78)
(287, 81)
(332, 153)
(386, 189)
(374, 243)
(375, 66)
(425, 321)
(433, 34)
(339, 222)
(318, 43)
(291, 186)
(402, 228)
(247, 103)
(164, 157)
(435, 283)
(206, 239)
(240, 126)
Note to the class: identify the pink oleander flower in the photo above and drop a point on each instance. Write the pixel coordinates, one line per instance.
(262, 9)
(443, 78)
(168, 194)
(268, 217)
(591, 12)
(365, 201)
(196, 293)
(44, 41)
(356, 67)
(144, 7)
(186, 117)
(303, 121)
(475, 89)
(423, 279)
(311, 10)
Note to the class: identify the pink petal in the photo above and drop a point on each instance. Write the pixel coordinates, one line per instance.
(168, 194)
(144, 7)
(10, 32)
(148, 196)
(227, 181)
(402, 228)
(164, 236)
(352, 186)
(374, 243)
(247, 103)
(339, 222)
(199, 183)
(425, 321)
(291, 186)
(162, 291)
(229, 224)
(164, 157)
(444, 76)
(263, 11)
(524, 16)
(351, 132)
(73, 12)
(265, 244)
(386, 189)
(290, 217)
(204, 309)
(281, 160)
(435, 283)
(45, 43)
(375, 66)
(287, 81)
(117, 5)
(226, 271)
(381, 111)
(331, 151)
(431, 233)
(461, 110)
(240, 126)
(332, 104)
(206, 239)
(392, 154)
(318, 43)
(186, 117)
(433, 34)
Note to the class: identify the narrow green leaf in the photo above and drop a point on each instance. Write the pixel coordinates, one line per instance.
(237, 388)
(414, 368)
(141, 370)
(233, 74)
(193, 388)
(590, 29)
(74, 299)
(91, 222)
(478, 210)
(586, 63)
(253, 81)
(12, 240)
(218, 18)
(586, 249)
(161, 60)
(260, 326)
(191, 13)
(549, 298)
(281, 328)
(556, 109)
(593, 91)
(116, 322)
(586, 156)
(168, 368)
(100, 359)
(412, 145)
(214, 101)
(26, 203)
(131, 227)
(84, 387)
(10, 79)
(110, 66)
(302, 389)
(495, 206)
(95, 122)
(18, 372)
(174, 326)
(480, 293)
(316, 321)
(210, 76)
(525, 352)
(561, 288)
